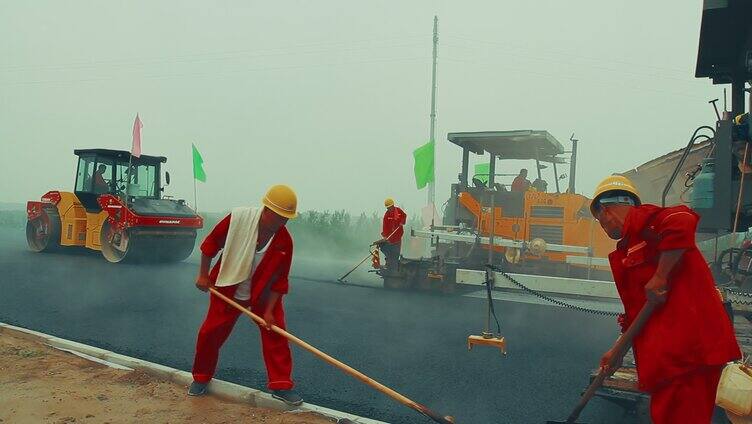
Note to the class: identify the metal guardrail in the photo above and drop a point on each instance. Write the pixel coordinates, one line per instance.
(683, 158)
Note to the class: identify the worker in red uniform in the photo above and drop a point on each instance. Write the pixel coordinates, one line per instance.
(261, 288)
(683, 347)
(391, 233)
(520, 182)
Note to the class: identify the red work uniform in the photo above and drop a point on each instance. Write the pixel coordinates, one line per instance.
(391, 230)
(685, 343)
(394, 219)
(520, 183)
(221, 317)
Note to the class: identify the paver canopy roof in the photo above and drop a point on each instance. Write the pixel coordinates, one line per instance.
(522, 144)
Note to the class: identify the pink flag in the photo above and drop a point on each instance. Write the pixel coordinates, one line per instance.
(136, 148)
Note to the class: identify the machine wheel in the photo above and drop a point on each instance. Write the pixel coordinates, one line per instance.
(43, 233)
(130, 247)
(115, 244)
(174, 250)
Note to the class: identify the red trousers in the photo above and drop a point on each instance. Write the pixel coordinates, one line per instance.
(219, 321)
(688, 399)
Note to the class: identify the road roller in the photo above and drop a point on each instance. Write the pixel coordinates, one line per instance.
(117, 207)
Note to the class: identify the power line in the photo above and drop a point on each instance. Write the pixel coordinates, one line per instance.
(557, 76)
(218, 74)
(548, 61)
(210, 56)
(567, 54)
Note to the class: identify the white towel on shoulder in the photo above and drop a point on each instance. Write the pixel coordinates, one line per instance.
(240, 246)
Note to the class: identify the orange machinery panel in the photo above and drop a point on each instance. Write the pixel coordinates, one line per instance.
(576, 226)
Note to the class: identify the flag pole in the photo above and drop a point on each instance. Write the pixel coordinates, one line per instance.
(129, 176)
(431, 185)
(195, 197)
(136, 137)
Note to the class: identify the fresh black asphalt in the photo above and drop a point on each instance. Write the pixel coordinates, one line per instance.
(412, 342)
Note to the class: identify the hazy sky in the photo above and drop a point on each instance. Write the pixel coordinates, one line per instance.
(331, 97)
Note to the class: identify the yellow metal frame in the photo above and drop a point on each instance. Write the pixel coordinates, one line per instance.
(578, 230)
(79, 227)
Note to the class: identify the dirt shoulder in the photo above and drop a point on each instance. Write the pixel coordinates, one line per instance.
(39, 384)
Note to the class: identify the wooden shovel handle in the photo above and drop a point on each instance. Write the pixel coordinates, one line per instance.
(334, 362)
(620, 347)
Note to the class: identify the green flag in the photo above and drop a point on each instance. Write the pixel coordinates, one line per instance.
(198, 165)
(424, 164)
(482, 171)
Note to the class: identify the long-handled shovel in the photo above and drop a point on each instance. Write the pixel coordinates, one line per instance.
(345, 368)
(620, 348)
(370, 255)
(342, 278)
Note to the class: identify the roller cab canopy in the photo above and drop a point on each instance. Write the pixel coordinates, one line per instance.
(103, 171)
(521, 144)
(121, 155)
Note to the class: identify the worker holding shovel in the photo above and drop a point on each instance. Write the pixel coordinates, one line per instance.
(684, 344)
(391, 233)
(253, 270)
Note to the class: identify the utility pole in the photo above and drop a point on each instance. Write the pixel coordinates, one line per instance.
(432, 139)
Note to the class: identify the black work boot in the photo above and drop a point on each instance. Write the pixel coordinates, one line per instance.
(287, 396)
(197, 389)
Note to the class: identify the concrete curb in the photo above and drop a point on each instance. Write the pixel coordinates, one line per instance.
(219, 388)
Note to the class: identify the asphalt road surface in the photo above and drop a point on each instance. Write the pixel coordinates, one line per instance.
(412, 342)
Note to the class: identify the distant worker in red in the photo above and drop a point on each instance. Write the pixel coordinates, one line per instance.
(683, 347)
(391, 233)
(521, 183)
(253, 269)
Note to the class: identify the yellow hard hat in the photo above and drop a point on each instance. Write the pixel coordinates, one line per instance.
(614, 183)
(388, 202)
(282, 200)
